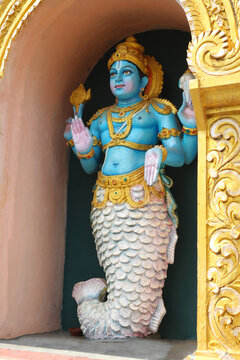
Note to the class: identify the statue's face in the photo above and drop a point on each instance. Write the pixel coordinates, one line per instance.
(125, 82)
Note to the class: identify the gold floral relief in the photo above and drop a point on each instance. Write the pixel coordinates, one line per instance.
(223, 184)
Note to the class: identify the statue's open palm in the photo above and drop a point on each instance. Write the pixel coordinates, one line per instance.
(82, 138)
(153, 158)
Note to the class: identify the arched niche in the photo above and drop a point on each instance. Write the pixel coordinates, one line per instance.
(55, 51)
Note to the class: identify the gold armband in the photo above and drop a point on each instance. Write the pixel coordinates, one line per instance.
(70, 143)
(96, 142)
(89, 155)
(189, 131)
(166, 133)
(164, 152)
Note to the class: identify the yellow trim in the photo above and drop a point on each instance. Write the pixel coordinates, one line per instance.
(167, 133)
(117, 189)
(89, 155)
(13, 14)
(70, 143)
(96, 115)
(168, 108)
(96, 142)
(129, 144)
(189, 131)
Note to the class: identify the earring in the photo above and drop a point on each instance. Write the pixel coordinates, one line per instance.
(141, 94)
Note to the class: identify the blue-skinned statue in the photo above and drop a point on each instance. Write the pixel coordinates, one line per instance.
(133, 213)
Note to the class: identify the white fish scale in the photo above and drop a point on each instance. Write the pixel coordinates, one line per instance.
(132, 246)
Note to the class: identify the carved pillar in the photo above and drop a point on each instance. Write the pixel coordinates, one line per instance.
(214, 58)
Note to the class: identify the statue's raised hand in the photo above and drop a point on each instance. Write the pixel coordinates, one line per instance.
(153, 158)
(83, 140)
(186, 113)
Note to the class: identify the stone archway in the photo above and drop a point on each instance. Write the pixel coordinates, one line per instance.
(60, 39)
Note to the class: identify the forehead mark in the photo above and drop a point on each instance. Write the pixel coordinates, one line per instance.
(118, 64)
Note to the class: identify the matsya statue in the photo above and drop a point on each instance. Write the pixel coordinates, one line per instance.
(132, 217)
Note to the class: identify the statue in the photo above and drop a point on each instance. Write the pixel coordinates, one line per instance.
(133, 213)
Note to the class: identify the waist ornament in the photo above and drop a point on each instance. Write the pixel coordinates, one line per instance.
(118, 189)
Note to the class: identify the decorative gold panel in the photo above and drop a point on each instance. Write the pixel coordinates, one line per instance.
(223, 215)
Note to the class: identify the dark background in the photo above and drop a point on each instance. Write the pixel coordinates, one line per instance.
(169, 48)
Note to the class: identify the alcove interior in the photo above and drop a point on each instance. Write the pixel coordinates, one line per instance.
(56, 50)
(81, 263)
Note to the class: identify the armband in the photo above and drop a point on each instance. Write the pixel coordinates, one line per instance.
(164, 152)
(189, 131)
(89, 155)
(96, 142)
(166, 133)
(70, 143)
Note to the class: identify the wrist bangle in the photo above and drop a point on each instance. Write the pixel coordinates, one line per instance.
(70, 143)
(189, 131)
(164, 152)
(89, 155)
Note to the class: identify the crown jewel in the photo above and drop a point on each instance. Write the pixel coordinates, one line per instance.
(131, 51)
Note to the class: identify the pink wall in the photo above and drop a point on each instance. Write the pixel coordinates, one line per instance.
(53, 53)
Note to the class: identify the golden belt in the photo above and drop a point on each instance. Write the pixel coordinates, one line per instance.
(117, 189)
(129, 144)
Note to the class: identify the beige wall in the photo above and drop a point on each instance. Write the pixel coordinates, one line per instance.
(54, 51)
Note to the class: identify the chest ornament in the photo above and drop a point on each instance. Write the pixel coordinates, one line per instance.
(126, 121)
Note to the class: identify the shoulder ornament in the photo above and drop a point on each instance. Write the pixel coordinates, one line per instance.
(96, 115)
(167, 108)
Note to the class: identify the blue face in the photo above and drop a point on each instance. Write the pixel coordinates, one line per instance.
(125, 82)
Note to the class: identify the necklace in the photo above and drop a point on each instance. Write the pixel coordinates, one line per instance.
(127, 119)
(123, 110)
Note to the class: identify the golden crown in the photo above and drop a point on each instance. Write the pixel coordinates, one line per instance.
(131, 51)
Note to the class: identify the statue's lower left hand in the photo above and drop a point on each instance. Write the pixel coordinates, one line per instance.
(82, 138)
(153, 158)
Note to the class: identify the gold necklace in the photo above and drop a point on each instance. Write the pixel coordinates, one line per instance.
(127, 119)
(123, 110)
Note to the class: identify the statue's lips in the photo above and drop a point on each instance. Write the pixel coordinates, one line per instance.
(120, 86)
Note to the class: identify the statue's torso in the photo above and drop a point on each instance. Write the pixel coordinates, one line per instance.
(122, 159)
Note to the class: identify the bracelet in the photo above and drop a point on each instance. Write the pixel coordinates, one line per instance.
(164, 152)
(189, 131)
(166, 133)
(89, 155)
(70, 143)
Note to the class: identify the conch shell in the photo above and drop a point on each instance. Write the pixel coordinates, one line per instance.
(80, 96)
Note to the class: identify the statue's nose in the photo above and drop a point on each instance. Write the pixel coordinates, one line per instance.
(118, 78)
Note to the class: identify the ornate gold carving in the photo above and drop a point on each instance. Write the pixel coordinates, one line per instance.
(118, 189)
(195, 20)
(214, 51)
(224, 233)
(13, 13)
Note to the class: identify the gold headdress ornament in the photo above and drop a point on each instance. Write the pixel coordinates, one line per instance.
(131, 51)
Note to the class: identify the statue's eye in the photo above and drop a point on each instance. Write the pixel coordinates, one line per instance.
(127, 72)
(112, 75)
